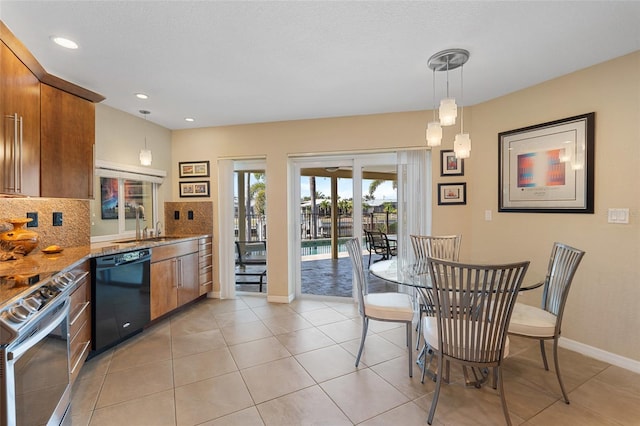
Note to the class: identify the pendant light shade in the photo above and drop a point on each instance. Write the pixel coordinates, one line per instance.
(434, 134)
(462, 145)
(448, 112)
(145, 157)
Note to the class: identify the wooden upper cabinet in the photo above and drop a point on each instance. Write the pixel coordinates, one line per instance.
(67, 144)
(20, 126)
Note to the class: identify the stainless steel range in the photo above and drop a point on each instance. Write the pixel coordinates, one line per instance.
(34, 348)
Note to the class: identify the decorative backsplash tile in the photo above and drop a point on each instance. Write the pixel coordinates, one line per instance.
(75, 229)
(188, 218)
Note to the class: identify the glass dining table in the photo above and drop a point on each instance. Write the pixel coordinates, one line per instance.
(416, 274)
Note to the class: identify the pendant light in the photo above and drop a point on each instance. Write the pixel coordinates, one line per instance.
(462, 142)
(447, 60)
(145, 154)
(434, 130)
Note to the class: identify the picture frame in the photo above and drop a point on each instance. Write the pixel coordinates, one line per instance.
(548, 167)
(193, 169)
(450, 165)
(194, 189)
(452, 194)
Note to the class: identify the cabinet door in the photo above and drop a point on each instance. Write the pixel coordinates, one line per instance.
(189, 284)
(164, 296)
(20, 136)
(68, 136)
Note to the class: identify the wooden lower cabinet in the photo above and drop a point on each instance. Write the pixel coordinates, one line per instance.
(174, 276)
(80, 320)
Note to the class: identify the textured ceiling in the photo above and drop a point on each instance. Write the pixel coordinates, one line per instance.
(240, 62)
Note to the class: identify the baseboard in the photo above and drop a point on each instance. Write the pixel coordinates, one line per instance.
(281, 299)
(213, 295)
(599, 354)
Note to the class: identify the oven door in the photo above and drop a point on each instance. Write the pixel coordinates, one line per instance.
(37, 386)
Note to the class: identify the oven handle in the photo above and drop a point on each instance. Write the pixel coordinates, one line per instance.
(31, 341)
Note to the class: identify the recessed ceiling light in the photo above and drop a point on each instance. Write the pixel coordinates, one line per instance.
(141, 96)
(189, 119)
(64, 42)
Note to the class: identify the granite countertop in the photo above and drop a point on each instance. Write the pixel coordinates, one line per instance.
(37, 263)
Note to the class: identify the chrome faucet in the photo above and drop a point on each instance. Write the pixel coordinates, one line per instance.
(139, 215)
(158, 223)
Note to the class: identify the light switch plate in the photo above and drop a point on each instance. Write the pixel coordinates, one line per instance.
(618, 216)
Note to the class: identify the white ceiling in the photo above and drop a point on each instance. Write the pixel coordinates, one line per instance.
(237, 62)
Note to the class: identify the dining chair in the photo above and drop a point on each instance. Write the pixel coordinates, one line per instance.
(545, 323)
(473, 306)
(443, 247)
(394, 307)
(378, 243)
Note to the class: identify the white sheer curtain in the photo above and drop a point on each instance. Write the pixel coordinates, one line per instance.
(226, 235)
(414, 200)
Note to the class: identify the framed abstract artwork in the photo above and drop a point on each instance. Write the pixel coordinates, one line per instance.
(548, 168)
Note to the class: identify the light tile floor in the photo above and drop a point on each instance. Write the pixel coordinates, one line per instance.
(249, 362)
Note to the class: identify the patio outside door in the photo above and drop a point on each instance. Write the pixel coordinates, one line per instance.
(330, 216)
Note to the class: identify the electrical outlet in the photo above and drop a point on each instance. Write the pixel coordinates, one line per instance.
(34, 221)
(176, 215)
(57, 218)
(190, 215)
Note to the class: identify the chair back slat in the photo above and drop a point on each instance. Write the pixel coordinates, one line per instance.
(473, 307)
(355, 254)
(443, 247)
(563, 264)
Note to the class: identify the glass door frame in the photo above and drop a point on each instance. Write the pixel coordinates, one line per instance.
(356, 162)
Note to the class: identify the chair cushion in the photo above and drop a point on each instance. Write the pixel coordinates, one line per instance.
(528, 320)
(389, 306)
(430, 333)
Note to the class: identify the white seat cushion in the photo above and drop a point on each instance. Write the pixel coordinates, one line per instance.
(389, 306)
(430, 333)
(531, 321)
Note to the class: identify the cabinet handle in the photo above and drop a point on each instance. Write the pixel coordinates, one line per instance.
(13, 185)
(175, 268)
(19, 177)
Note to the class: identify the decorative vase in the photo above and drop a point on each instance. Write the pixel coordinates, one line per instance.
(19, 240)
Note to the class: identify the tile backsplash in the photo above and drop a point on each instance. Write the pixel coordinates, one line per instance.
(188, 218)
(74, 231)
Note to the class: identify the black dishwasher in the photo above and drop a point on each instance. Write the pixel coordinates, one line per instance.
(121, 297)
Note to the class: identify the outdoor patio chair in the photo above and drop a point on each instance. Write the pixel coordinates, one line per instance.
(394, 307)
(251, 253)
(544, 323)
(378, 243)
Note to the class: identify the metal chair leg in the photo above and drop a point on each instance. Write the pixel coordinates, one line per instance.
(436, 393)
(498, 371)
(409, 347)
(544, 355)
(365, 326)
(557, 364)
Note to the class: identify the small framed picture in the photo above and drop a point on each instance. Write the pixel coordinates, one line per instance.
(194, 189)
(189, 169)
(450, 165)
(452, 193)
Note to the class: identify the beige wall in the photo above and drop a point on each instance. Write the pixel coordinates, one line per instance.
(120, 137)
(602, 308)
(277, 141)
